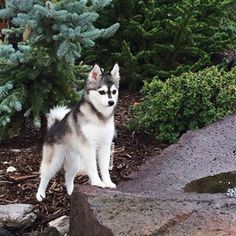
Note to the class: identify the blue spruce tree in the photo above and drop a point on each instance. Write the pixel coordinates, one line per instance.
(42, 69)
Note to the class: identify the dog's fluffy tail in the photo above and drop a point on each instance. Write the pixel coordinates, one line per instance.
(56, 114)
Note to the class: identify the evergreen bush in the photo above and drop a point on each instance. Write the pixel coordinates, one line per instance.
(40, 72)
(189, 101)
(165, 37)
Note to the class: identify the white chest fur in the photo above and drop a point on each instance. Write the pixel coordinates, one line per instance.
(94, 129)
(99, 132)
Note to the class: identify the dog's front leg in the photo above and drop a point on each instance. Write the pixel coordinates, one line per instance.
(88, 155)
(104, 153)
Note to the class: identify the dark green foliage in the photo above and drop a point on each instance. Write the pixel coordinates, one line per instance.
(189, 101)
(165, 37)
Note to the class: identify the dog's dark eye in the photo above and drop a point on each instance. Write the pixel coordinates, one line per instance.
(114, 92)
(102, 92)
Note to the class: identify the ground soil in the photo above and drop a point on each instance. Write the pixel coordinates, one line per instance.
(24, 153)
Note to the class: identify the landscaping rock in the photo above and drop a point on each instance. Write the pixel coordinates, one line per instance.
(153, 202)
(16, 215)
(50, 232)
(11, 169)
(61, 224)
(4, 232)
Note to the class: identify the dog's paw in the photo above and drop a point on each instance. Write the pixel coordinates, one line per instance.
(110, 184)
(40, 196)
(98, 183)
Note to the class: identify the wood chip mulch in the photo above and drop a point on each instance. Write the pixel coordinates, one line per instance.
(24, 153)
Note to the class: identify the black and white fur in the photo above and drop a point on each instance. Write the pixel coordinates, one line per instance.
(80, 139)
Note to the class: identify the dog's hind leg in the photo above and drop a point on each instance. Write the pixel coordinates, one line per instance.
(51, 163)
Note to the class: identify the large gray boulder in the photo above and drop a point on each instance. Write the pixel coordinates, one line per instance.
(153, 202)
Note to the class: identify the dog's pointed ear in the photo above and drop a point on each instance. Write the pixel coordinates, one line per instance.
(95, 73)
(115, 72)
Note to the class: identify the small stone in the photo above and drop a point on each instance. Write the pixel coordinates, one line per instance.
(11, 169)
(231, 192)
(120, 166)
(16, 215)
(15, 150)
(61, 224)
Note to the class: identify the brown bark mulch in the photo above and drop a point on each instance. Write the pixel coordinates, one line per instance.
(24, 153)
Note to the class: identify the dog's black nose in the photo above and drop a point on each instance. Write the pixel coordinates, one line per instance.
(110, 103)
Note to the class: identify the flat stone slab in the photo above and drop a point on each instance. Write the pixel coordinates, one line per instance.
(153, 202)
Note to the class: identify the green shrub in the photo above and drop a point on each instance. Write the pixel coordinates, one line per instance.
(165, 37)
(189, 101)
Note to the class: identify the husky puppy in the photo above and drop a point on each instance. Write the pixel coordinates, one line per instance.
(80, 139)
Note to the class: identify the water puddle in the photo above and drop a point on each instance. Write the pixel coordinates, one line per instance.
(221, 183)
